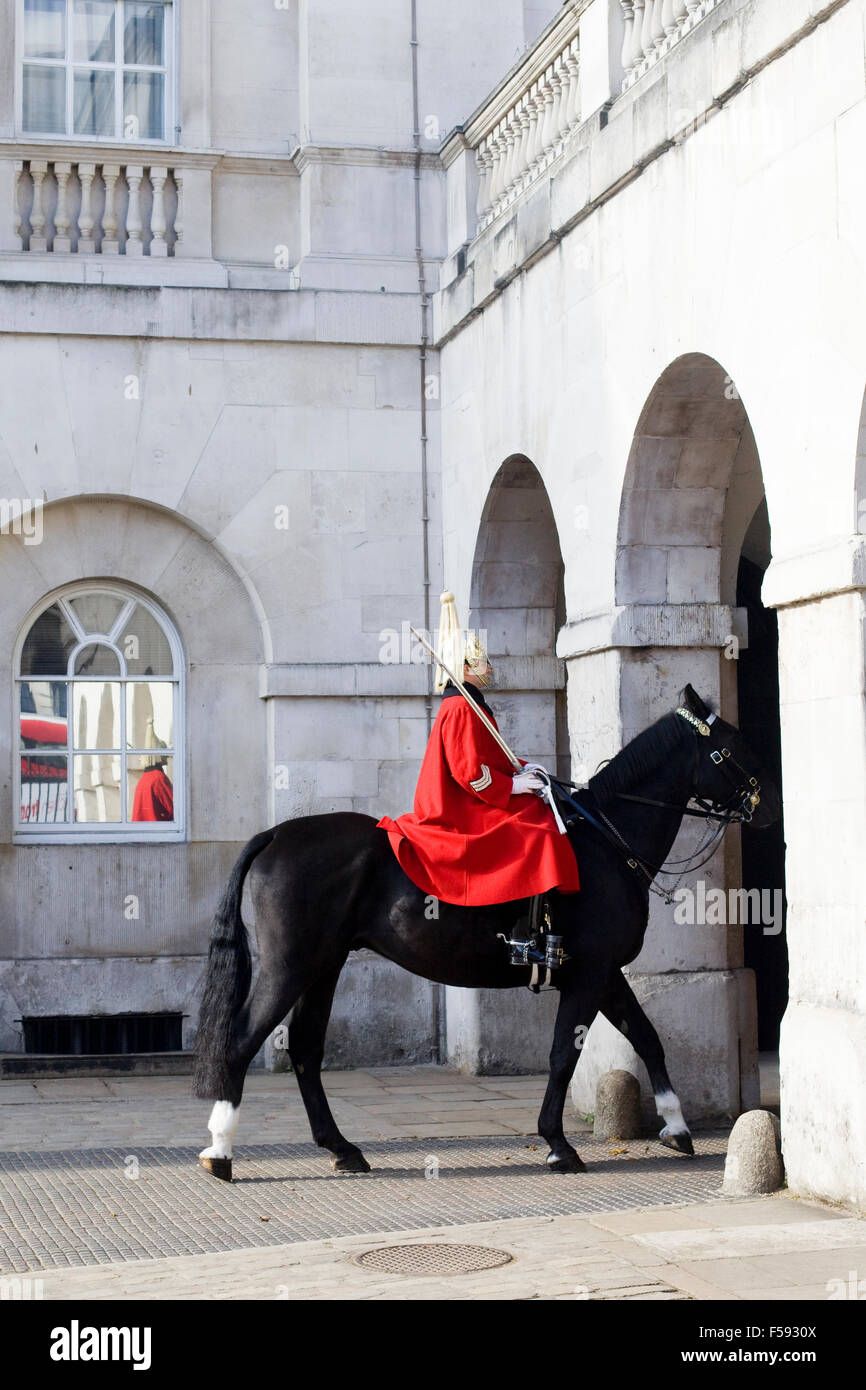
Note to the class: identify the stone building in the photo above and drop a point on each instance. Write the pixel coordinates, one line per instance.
(304, 314)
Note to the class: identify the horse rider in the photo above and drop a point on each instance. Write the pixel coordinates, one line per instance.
(477, 835)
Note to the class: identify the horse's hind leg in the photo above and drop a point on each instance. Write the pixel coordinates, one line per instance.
(307, 1028)
(270, 1001)
(622, 1009)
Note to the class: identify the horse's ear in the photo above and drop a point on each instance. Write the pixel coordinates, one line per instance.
(693, 702)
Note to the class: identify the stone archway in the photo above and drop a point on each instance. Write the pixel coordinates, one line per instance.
(690, 498)
(517, 598)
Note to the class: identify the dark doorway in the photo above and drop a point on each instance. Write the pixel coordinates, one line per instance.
(763, 851)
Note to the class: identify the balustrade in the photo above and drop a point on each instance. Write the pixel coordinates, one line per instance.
(530, 136)
(87, 208)
(652, 27)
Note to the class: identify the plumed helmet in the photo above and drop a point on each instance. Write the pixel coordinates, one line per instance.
(457, 647)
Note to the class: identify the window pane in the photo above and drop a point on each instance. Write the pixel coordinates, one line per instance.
(96, 710)
(44, 100)
(43, 29)
(143, 100)
(150, 791)
(93, 102)
(97, 660)
(43, 788)
(143, 34)
(145, 646)
(96, 788)
(43, 714)
(49, 642)
(93, 31)
(97, 612)
(149, 713)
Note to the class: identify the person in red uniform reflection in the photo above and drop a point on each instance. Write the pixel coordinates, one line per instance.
(476, 836)
(154, 794)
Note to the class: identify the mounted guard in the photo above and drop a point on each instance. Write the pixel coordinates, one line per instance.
(478, 834)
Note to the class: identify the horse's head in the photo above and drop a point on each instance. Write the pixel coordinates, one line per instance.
(728, 775)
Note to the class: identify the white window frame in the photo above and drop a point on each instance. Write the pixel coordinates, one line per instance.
(93, 832)
(171, 102)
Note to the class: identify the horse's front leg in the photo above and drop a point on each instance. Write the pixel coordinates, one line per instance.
(578, 1006)
(622, 1009)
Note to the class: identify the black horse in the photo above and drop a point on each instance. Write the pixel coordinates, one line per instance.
(323, 886)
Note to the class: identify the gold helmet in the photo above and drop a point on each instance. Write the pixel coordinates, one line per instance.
(459, 648)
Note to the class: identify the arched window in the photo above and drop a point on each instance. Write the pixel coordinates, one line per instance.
(99, 710)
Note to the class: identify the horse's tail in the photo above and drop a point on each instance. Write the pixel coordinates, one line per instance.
(227, 983)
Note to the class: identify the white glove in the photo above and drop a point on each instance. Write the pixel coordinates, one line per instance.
(523, 782)
(535, 767)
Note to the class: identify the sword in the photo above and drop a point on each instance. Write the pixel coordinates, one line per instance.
(547, 794)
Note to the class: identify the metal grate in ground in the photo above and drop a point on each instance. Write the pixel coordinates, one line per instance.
(98, 1206)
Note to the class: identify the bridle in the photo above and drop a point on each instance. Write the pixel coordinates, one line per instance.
(744, 798)
(736, 809)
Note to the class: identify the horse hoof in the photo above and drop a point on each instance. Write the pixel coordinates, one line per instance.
(218, 1168)
(566, 1163)
(680, 1143)
(350, 1163)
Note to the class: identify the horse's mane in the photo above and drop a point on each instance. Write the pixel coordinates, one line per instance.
(641, 757)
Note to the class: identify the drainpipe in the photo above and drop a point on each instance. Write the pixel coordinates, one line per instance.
(438, 1002)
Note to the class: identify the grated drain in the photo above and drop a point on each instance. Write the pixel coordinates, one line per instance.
(432, 1259)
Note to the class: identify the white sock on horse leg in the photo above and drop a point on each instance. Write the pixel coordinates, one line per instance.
(222, 1124)
(668, 1107)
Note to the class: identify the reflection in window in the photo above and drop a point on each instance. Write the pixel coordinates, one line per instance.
(98, 693)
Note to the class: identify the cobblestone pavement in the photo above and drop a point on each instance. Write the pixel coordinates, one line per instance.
(101, 1205)
(641, 1224)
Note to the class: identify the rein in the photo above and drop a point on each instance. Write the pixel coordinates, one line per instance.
(738, 808)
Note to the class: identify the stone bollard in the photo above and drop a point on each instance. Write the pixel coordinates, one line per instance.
(754, 1161)
(617, 1107)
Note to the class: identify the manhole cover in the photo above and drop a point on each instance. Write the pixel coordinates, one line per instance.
(432, 1259)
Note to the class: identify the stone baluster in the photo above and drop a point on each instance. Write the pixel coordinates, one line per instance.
(658, 29)
(495, 188)
(62, 240)
(637, 36)
(86, 243)
(158, 244)
(572, 63)
(525, 121)
(509, 172)
(484, 165)
(646, 33)
(501, 147)
(177, 175)
(559, 78)
(669, 23)
(535, 106)
(627, 7)
(17, 219)
(110, 243)
(546, 89)
(38, 240)
(681, 14)
(134, 244)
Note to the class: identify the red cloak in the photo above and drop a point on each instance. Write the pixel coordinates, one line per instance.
(154, 797)
(469, 841)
